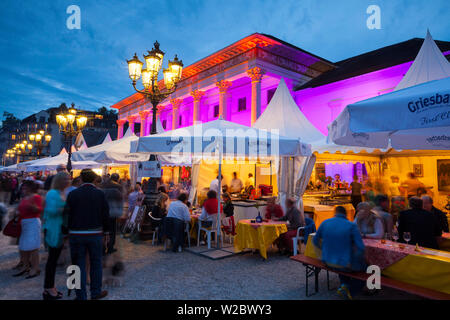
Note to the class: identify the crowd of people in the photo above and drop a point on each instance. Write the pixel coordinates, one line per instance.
(80, 213)
(84, 213)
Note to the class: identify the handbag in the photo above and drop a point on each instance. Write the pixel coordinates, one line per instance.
(12, 228)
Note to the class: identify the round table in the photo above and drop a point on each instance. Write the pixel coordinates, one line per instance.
(258, 235)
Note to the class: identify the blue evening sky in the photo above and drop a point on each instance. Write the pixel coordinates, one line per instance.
(42, 63)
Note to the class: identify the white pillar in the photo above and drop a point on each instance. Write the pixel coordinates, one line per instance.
(175, 106)
(131, 120)
(256, 75)
(223, 86)
(120, 124)
(197, 95)
(143, 115)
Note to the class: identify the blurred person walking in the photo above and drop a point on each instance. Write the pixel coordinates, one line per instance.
(53, 221)
(30, 210)
(114, 194)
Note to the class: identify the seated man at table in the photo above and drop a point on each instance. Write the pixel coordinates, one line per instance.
(296, 220)
(420, 223)
(342, 249)
(273, 210)
(440, 216)
(177, 216)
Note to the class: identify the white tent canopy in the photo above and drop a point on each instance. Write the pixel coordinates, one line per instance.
(234, 139)
(415, 117)
(117, 151)
(107, 138)
(51, 163)
(430, 64)
(283, 114)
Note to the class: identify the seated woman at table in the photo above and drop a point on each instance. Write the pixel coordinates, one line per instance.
(342, 249)
(209, 209)
(369, 224)
(273, 210)
(296, 220)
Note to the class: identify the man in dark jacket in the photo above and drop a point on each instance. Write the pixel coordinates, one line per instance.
(420, 223)
(440, 216)
(114, 195)
(87, 218)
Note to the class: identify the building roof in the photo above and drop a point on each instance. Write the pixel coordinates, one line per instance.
(379, 59)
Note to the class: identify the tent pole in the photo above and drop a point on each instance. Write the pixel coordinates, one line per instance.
(219, 177)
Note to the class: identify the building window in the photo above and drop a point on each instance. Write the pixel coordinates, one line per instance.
(216, 111)
(164, 122)
(180, 120)
(242, 104)
(270, 94)
(13, 137)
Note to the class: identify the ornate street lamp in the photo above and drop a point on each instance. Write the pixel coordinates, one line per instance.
(70, 125)
(153, 93)
(40, 140)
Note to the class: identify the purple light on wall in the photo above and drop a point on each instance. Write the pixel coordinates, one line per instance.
(323, 104)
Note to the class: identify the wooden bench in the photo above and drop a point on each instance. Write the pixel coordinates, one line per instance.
(314, 266)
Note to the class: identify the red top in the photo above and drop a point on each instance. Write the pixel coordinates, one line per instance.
(211, 205)
(275, 210)
(30, 207)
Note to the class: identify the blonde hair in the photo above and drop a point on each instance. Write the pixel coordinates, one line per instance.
(59, 181)
(162, 199)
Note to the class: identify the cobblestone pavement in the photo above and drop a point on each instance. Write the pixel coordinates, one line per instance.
(152, 273)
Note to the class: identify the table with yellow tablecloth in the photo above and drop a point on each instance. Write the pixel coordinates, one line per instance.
(324, 212)
(258, 235)
(428, 269)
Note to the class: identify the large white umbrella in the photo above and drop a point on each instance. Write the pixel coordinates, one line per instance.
(417, 117)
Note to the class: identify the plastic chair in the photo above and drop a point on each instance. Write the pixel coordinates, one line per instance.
(156, 230)
(208, 231)
(186, 230)
(229, 227)
(298, 238)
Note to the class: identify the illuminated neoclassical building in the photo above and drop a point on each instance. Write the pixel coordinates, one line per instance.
(238, 81)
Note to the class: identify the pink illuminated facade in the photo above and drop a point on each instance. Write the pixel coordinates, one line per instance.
(238, 81)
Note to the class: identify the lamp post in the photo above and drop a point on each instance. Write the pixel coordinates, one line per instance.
(40, 140)
(70, 125)
(153, 93)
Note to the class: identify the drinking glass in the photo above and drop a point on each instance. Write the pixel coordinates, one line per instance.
(407, 237)
(395, 235)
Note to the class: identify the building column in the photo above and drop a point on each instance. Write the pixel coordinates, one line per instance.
(256, 75)
(197, 95)
(120, 124)
(143, 115)
(131, 120)
(175, 106)
(223, 86)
